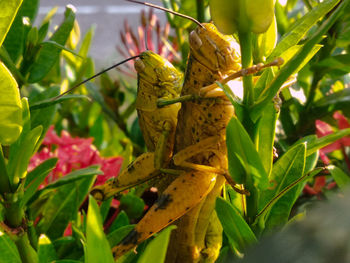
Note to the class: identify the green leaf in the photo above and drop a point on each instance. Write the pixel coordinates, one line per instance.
(15, 38)
(301, 26)
(325, 140)
(61, 47)
(116, 236)
(104, 208)
(236, 229)
(342, 179)
(311, 159)
(157, 248)
(8, 13)
(23, 151)
(83, 173)
(5, 185)
(43, 117)
(294, 63)
(121, 220)
(36, 177)
(243, 159)
(286, 171)
(62, 207)
(132, 205)
(336, 101)
(97, 246)
(235, 101)
(10, 107)
(49, 54)
(266, 135)
(46, 250)
(8, 250)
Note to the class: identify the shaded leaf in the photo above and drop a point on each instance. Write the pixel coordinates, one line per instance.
(243, 159)
(46, 250)
(237, 230)
(116, 236)
(48, 54)
(8, 250)
(36, 177)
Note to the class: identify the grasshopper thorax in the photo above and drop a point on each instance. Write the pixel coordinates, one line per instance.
(214, 50)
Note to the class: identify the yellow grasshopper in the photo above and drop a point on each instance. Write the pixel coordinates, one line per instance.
(200, 146)
(157, 79)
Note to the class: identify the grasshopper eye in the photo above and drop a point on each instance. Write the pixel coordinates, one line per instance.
(195, 40)
(139, 65)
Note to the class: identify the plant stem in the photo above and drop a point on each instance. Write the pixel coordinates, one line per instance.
(200, 10)
(245, 40)
(14, 218)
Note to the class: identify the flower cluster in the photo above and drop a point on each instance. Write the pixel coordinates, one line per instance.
(72, 154)
(323, 129)
(149, 30)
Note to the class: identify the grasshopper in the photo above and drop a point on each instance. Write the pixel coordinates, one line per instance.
(200, 147)
(157, 79)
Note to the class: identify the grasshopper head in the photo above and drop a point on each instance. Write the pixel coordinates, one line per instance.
(155, 68)
(216, 51)
(160, 73)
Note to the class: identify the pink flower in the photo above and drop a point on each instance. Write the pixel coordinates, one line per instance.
(72, 154)
(149, 33)
(323, 129)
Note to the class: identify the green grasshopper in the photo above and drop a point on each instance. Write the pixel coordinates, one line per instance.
(200, 147)
(157, 79)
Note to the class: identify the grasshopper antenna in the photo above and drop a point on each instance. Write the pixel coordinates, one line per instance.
(167, 10)
(94, 76)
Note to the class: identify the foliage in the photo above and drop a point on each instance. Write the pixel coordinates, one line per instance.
(287, 145)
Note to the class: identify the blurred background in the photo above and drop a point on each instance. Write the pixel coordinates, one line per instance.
(108, 17)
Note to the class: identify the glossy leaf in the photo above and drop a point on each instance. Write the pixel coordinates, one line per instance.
(236, 229)
(341, 178)
(49, 54)
(295, 62)
(286, 171)
(36, 177)
(8, 13)
(46, 250)
(301, 26)
(97, 246)
(243, 159)
(157, 248)
(266, 134)
(10, 107)
(8, 250)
